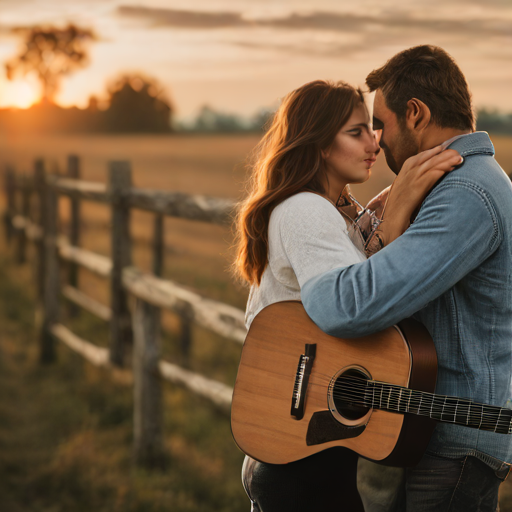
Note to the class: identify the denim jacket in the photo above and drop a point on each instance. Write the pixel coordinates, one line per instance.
(452, 270)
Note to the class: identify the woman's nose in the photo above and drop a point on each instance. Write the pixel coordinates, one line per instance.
(374, 141)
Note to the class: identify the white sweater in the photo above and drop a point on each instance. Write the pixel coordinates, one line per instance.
(307, 236)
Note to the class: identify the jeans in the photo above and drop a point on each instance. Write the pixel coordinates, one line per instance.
(439, 484)
(324, 482)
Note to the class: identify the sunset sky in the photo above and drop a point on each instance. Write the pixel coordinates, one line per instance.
(239, 55)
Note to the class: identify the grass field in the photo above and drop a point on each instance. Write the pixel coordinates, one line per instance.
(75, 440)
(66, 431)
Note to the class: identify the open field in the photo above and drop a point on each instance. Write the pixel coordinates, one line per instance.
(86, 431)
(198, 255)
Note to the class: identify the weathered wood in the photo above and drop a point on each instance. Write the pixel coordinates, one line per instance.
(95, 263)
(73, 171)
(174, 204)
(86, 190)
(10, 194)
(216, 316)
(148, 416)
(158, 245)
(40, 187)
(221, 318)
(51, 283)
(21, 256)
(187, 206)
(89, 304)
(120, 181)
(217, 392)
(32, 230)
(98, 356)
(186, 314)
(158, 259)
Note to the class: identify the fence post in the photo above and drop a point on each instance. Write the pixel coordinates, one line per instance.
(148, 417)
(39, 260)
(186, 316)
(158, 265)
(185, 338)
(120, 182)
(73, 172)
(158, 245)
(52, 281)
(10, 193)
(25, 212)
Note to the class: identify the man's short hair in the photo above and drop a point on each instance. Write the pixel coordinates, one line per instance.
(429, 74)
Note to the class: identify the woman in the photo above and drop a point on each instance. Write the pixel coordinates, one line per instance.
(299, 221)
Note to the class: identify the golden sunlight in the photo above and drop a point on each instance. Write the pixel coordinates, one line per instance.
(21, 93)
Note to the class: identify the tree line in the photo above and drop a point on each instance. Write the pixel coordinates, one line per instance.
(134, 102)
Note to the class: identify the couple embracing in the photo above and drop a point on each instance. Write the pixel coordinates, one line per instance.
(437, 246)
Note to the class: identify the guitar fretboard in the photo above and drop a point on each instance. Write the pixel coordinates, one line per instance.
(459, 411)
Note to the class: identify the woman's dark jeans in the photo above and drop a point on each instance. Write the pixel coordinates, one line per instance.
(321, 483)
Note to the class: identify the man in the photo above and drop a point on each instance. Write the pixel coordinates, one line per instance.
(452, 267)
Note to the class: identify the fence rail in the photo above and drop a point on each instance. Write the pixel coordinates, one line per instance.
(31, 215)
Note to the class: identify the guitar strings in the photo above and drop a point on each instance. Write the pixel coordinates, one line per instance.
(493, 413)
(344, 391)
(462, 415)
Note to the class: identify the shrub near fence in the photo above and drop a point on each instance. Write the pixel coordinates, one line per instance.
(37, 222)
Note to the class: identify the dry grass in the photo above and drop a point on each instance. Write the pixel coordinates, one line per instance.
(66, 431)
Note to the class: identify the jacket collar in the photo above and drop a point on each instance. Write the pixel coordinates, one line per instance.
(472, 144)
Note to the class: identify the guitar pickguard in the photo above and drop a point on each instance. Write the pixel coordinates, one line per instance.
(323, 428)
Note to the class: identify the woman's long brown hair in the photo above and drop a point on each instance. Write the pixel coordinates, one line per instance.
(289, 161)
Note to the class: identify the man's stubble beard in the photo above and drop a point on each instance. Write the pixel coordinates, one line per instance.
(403, 148)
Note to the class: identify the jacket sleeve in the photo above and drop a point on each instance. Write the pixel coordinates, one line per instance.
(455, 231)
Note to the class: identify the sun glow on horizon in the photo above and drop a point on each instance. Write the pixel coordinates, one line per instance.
(20, 93)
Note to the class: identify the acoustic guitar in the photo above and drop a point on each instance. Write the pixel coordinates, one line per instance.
(300, 391)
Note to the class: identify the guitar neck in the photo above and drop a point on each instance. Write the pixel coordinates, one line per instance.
(446, 409)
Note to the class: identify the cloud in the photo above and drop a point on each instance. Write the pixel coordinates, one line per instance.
(308, 48)
(183, 19)
(320, 20)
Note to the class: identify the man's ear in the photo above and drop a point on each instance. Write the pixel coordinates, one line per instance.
(417, 115)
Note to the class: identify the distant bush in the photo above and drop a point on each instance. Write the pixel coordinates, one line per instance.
(137, 104)
(210, 120)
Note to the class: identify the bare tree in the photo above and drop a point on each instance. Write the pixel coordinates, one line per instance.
(50, 53)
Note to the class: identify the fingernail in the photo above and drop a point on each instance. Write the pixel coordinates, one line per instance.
(461, 160)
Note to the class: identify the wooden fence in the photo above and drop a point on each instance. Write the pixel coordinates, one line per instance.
(32, 215)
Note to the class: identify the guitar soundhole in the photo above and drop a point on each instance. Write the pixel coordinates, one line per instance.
(348, 395)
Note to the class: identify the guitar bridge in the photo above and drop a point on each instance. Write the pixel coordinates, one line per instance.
(301, 381)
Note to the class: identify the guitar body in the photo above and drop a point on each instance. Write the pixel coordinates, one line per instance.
(283, 412)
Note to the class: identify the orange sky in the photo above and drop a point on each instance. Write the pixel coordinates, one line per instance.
(240, 55)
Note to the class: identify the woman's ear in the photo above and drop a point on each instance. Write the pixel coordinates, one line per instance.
(325, 152)
(417, 115)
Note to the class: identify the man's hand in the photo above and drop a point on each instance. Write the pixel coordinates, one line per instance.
(420, 173)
